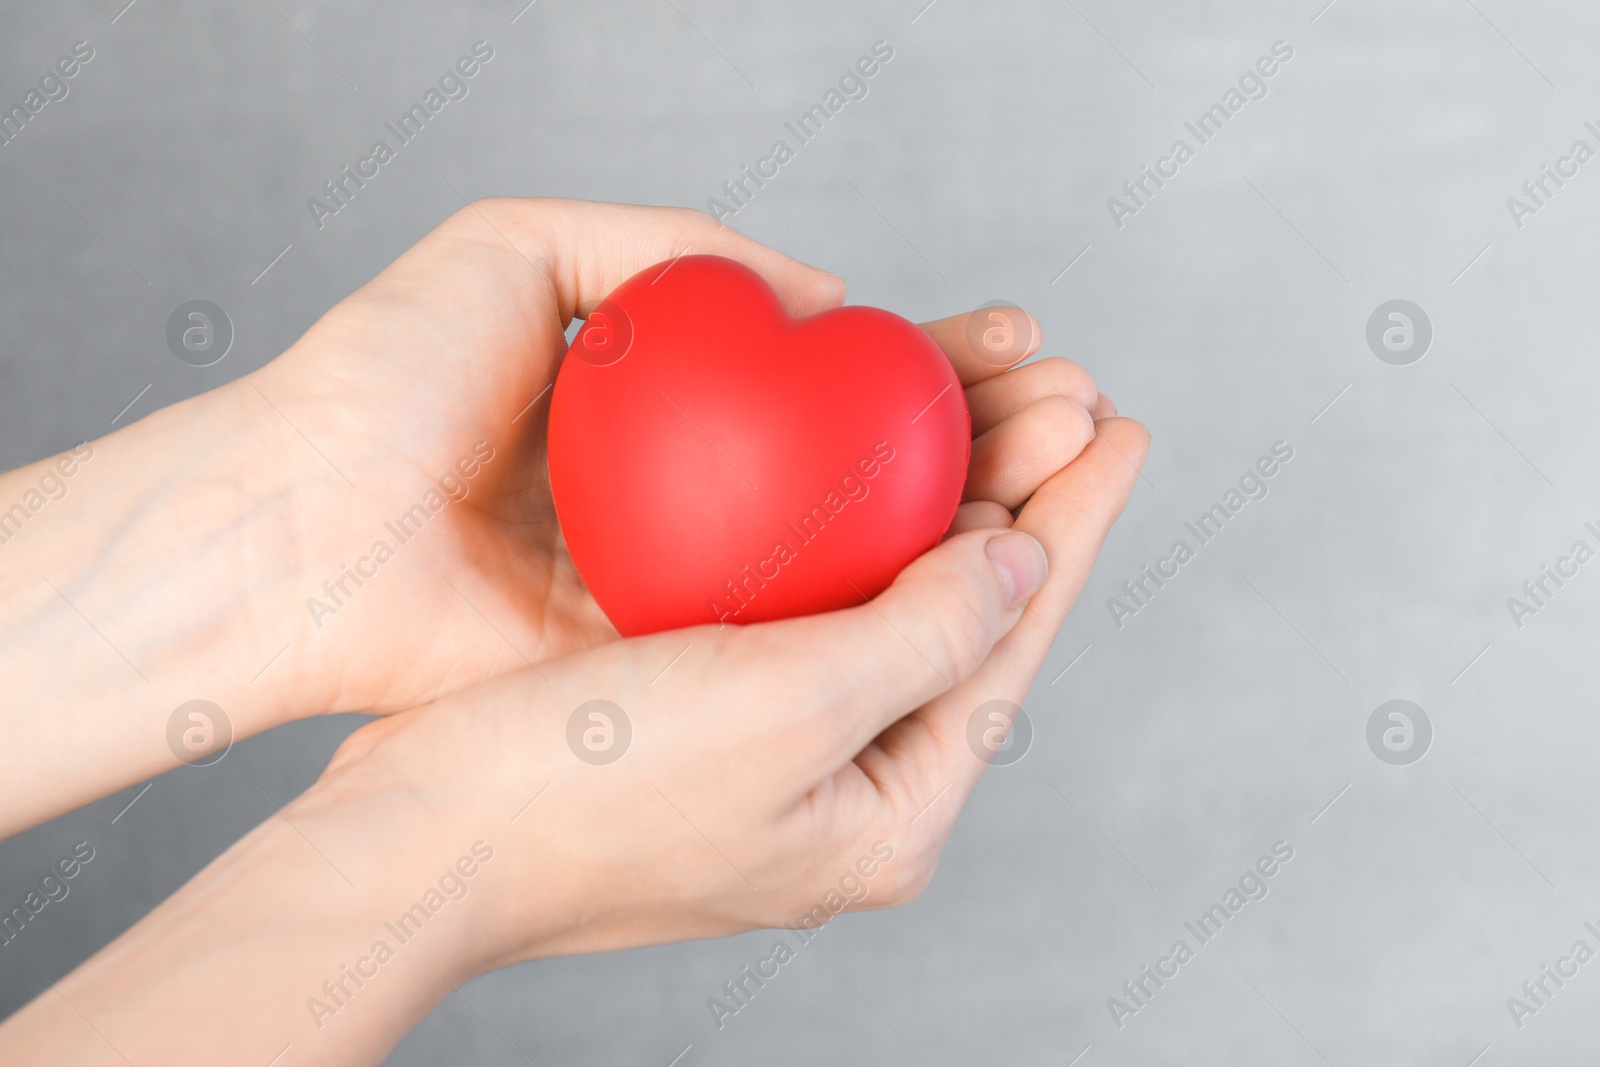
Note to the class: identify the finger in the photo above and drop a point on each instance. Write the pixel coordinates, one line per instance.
(978, 515)
(927, 753)
(994, 400)
(1071, 515)
(586, 249)
(1013, 459)
(1103, 408)
(984, 343)
(860, 669)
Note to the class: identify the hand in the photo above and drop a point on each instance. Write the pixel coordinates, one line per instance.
(208, 550)
(459, 342)
(761, 762)
(773, 772)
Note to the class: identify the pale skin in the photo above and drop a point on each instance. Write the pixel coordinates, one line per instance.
(766, 761)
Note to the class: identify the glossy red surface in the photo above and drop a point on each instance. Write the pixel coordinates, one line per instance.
(713, 459)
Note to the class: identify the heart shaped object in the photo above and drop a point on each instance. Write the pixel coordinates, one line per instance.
(714, 460)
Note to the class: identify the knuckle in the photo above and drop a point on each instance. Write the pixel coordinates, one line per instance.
(1056, 406)
(462, 219)
(475, 210)
(1066, 413)
(906, 885)
(962, 630)
(691, 223)
(1069, 379)
(510, 218)
(690, 216)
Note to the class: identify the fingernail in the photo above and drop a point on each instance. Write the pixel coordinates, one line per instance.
(1020, 564)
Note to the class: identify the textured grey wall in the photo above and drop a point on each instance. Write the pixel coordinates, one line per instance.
(1228, 312)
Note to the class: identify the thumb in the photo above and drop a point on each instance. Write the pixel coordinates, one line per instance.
(586, 249)
(923, 635)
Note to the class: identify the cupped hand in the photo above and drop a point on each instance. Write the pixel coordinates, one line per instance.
(705, 781)
(365, 523)
(447, 358)
(734, 778)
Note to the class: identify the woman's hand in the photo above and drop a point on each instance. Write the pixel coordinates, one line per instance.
(224, 548)
(763, 767)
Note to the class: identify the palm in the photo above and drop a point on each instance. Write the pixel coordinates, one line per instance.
(438, 353)
(456, 343)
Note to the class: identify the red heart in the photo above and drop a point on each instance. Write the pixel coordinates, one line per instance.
(713, 459)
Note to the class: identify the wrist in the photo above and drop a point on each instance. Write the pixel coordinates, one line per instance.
(140, 585)
(462, 845)
(395, 930)
(310, 928)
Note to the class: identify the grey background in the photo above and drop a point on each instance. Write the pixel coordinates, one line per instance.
(1226, 315)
